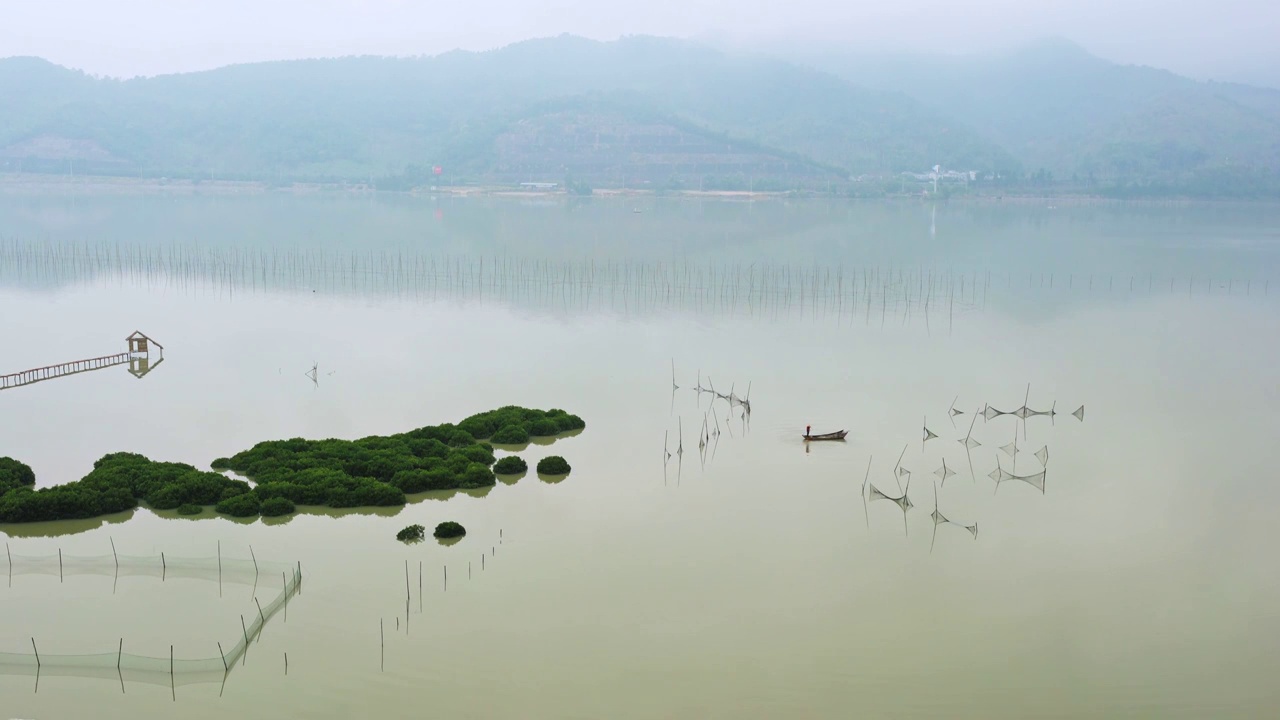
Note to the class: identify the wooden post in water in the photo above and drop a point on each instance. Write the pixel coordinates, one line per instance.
(113, 553)
(262, 619)
(172, 688)
(37, 652)
(382, 638)
(59, 564)
(286, 663)
(285, 585)
(119, 653)
(224, 659)
(255, 562)
(406, 582)
(164, 568)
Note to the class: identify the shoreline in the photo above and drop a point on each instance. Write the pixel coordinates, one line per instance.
(17, 184)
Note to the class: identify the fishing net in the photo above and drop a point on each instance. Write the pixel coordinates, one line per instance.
(944, 472)
(940, 519)
(167, 670)
(902, 501)
(1043, 456)
(991, 413)
(1079, 413)
(1000, 475)
(639, 287)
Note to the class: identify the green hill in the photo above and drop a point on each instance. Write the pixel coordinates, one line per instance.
(639, 110)
(1091, 122)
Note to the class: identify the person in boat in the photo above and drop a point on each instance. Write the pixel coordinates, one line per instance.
(806, 430)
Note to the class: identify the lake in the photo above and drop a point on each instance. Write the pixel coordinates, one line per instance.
(699, 561)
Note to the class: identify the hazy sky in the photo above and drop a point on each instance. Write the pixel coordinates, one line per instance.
(1222, 38)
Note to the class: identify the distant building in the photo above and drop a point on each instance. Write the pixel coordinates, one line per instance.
(539, 185)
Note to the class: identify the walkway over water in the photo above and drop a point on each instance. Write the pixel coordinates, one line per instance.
(138, 358)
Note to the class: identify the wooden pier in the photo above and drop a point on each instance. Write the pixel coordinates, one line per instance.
(138, 358)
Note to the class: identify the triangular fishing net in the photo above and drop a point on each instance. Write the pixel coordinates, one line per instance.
(928, 434)
(940, 519)
(944, 472)
(1043, 455)
(991, 413)
(1079, 413)
(1000, 475)
(901, 501)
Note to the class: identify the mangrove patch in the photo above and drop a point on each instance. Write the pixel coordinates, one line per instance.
(510, 465)
(449, 529)
(412, 533)
(553, 465)
(371, 471)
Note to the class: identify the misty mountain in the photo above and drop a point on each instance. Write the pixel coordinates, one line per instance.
(638, 109)
(1054, 106)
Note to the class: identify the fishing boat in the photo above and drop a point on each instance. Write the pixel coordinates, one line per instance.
(838, 435)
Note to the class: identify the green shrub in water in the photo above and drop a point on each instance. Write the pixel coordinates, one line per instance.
(546, 427)
(553, 465)
(190, 509)
(277, 506)
(510, 465)
(246, 505)
(14, 475)
(413, 533)
(449, 529)
(511, 435)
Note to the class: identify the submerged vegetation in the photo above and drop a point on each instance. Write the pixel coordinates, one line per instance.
(449, 529)
(510, 465)
(371, 471)
(412, 533)
(553, 465)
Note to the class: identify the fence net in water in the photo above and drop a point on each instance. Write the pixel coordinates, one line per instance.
(167, 670)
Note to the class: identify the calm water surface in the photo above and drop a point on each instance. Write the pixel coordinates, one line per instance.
(749, 578)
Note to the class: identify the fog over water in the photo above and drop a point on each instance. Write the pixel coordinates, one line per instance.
(1230, 40)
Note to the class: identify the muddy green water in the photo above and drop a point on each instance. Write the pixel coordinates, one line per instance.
(748, 578)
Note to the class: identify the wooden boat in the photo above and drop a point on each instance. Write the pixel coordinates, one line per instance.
(838, 435)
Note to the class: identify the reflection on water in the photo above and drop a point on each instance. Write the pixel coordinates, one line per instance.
(1125, 584)
(58, 528)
